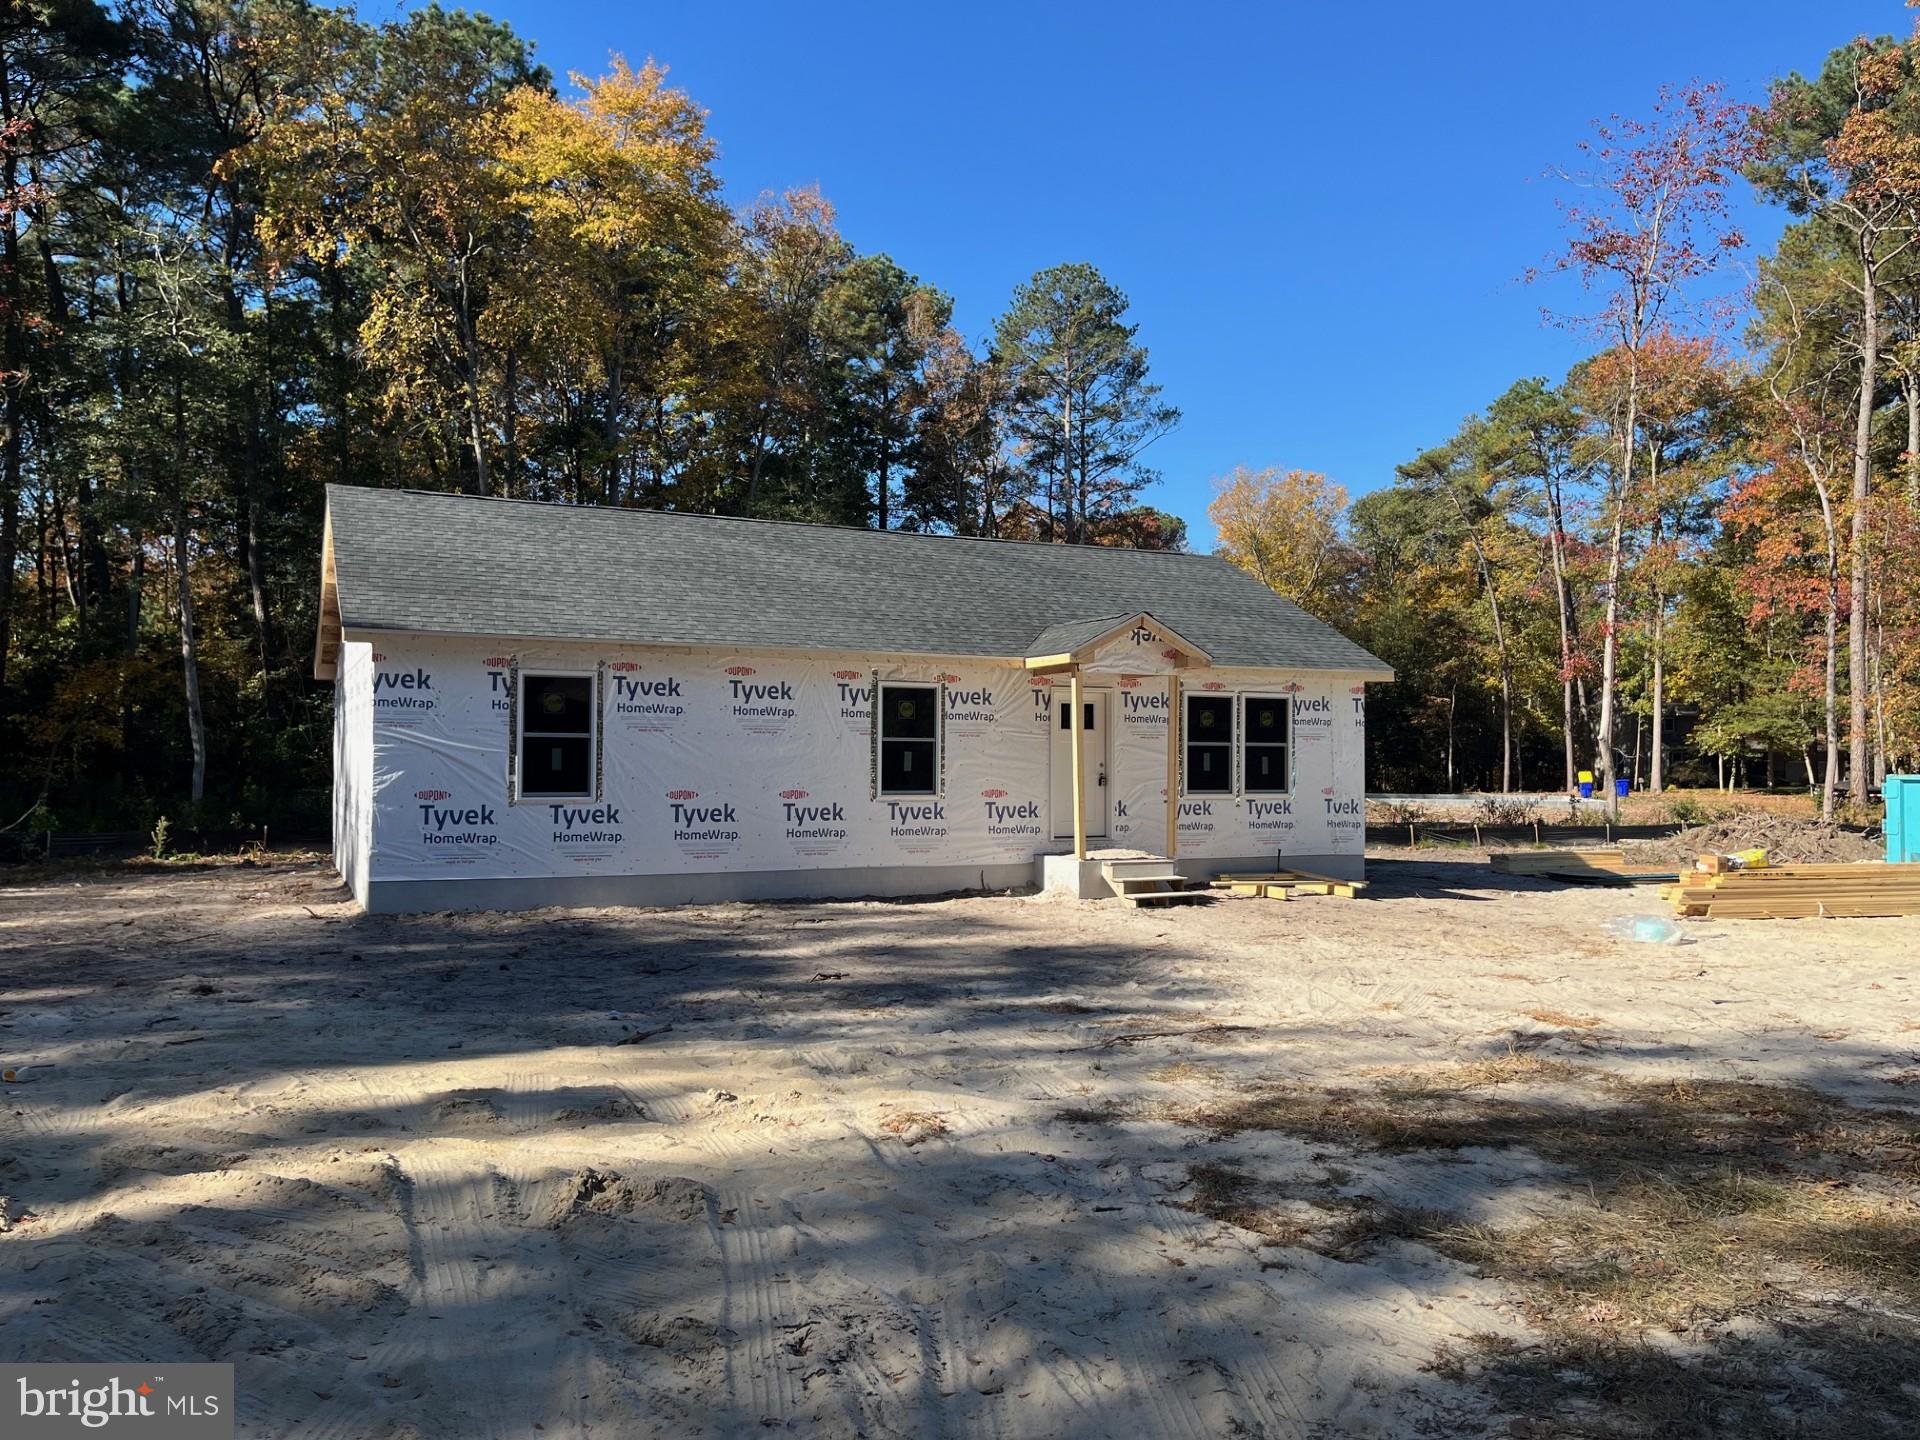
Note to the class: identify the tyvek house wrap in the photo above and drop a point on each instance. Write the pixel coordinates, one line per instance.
(723, 760)
(353, 739)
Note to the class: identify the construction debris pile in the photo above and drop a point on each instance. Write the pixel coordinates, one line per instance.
(1787, 840)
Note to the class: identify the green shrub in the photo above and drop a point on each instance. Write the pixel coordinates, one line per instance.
(1689, 810)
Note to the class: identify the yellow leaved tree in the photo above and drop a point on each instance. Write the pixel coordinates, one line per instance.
(1284, 528)
(628, 247)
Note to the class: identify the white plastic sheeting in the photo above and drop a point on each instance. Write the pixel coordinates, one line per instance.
(353, 740)
(714, 760)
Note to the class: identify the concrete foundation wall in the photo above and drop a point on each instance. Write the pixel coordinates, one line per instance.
(1334, 867)
(1085, 880)
(400, 897)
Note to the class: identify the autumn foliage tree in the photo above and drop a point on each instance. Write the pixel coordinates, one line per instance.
(248, 247)
(1656, 220)
(1843, 150)
(1286, 529)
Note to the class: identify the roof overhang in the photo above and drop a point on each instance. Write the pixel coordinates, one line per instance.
(326, 640)
(1098, 632)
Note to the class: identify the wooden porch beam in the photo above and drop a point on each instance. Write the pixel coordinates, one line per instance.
(1074, 718)
(1173, 764)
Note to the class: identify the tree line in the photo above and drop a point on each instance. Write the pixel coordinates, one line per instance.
(248, 247)
(1690, 559)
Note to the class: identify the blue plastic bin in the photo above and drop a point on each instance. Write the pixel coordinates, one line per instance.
(1586, 789)
(1903, 818)
(1622, 786)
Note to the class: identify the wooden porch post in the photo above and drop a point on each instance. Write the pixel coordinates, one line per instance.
(1074, 721)
(1173, 763)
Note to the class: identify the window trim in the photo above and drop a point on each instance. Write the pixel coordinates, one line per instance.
(1231, 744)
(937, 739)
(518, 738)
(1241, 742)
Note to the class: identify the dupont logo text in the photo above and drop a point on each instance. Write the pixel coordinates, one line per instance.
(702, 825)
(811, 821)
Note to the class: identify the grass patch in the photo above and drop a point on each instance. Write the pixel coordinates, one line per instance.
(913, 1127)
(1344, 1227)
(1730, 1258)
(1564, 1021)
(1186, 1072)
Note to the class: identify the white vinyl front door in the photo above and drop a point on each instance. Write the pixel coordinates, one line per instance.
(1092, 720)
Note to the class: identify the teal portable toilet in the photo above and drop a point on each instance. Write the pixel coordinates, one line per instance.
(1902, 794)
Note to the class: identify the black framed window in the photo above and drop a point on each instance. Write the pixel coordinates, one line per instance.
(1265, 730)
(1209, 742)
(557, 715)
(909, 739)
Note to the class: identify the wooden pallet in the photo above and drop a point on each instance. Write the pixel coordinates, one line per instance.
(1286, 884)
(1800, 892)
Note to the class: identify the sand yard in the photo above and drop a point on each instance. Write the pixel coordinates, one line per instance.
(1449, 1160)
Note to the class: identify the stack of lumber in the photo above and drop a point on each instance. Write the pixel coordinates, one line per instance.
(1799, 892)
(1288, 884)
(1607, 865)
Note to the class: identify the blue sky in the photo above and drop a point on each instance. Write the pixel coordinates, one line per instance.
(1320, 210)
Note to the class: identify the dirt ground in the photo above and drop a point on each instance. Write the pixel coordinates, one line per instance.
(1448, 1160)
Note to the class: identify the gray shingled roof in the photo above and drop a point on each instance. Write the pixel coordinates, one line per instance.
(411, 560)
(1072, 634)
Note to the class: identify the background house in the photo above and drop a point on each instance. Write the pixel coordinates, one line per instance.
(545, 704)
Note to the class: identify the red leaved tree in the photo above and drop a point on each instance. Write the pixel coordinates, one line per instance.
(1653, 219)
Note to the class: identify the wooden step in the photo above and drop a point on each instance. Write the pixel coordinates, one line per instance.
(1161, 897)
(1137, 877)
